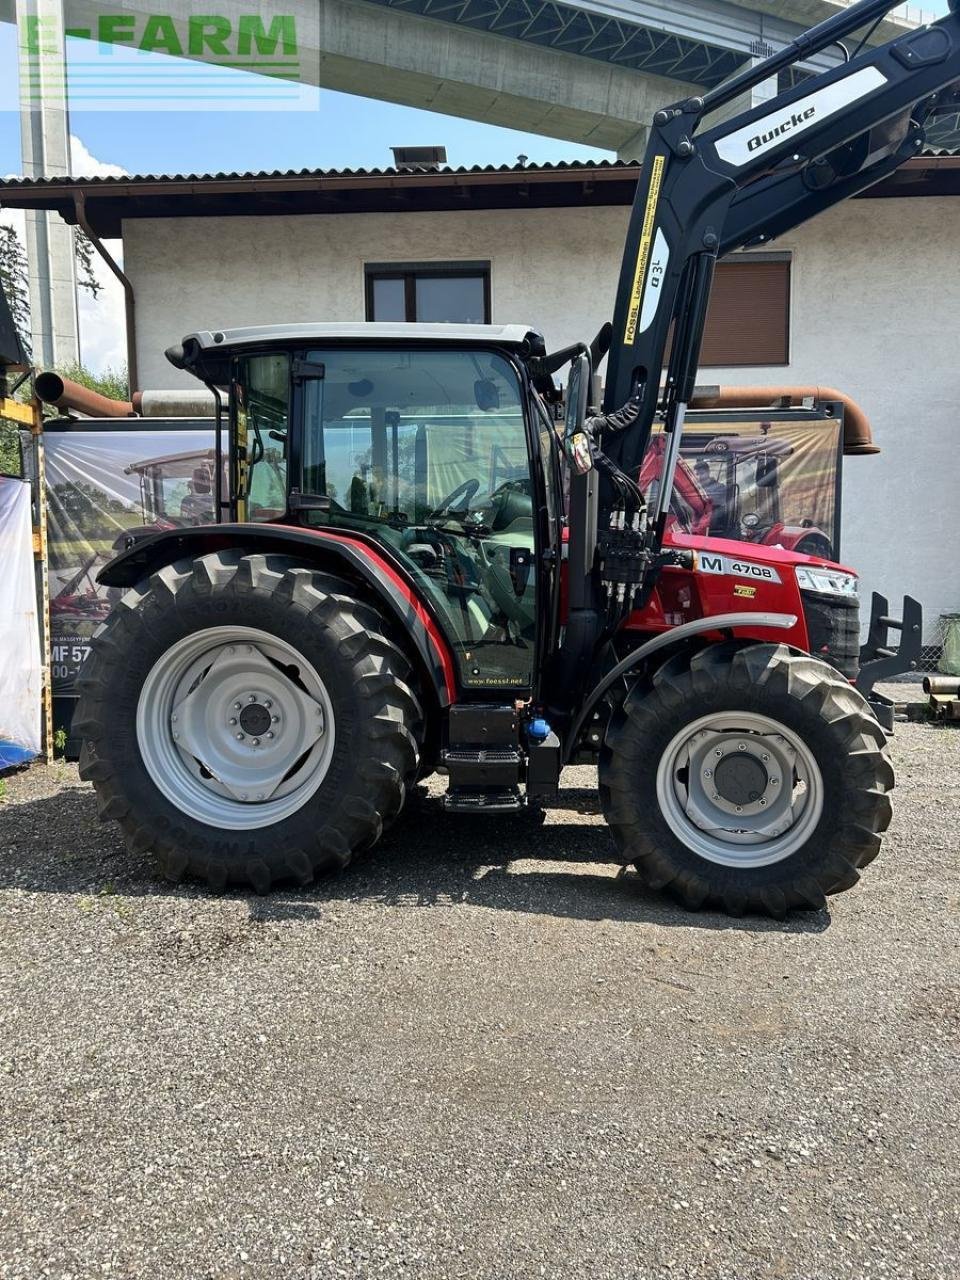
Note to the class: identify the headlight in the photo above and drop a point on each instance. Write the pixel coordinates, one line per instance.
(828, 582)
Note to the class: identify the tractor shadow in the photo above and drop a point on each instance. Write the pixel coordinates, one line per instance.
(563, 867)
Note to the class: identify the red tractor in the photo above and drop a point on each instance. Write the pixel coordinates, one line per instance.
(447, 582)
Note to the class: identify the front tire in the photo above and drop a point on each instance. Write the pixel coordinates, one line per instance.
(753, 779)
(247, 720)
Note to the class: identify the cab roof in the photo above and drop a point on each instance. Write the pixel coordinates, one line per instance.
(502, 335)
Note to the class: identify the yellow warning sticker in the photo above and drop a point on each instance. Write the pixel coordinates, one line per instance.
(643, 252)
(745, 593)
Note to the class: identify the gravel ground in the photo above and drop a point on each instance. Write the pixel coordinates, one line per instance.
(476, 1055)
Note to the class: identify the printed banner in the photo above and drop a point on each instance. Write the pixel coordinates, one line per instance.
(21, 670)
(773, 482)
(101, 486)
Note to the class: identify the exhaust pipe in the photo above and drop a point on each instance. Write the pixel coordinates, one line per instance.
(857, 435)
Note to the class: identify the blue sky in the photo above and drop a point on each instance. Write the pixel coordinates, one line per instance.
(340, 132)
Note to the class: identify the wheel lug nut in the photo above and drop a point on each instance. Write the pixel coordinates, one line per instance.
(269, 734)
(719, 751)
(267, 703)
(764, 757)
(762, 803)
(237, 706)
(716, 795)
(708, 773)
(232, 720)
(774, 782)
(239, 737)
(252, 698)
(256, 742)
(274, 719)
(176, 737)
(741, 746)
(739, 808)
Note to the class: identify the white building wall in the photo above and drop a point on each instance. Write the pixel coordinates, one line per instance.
(874, 289)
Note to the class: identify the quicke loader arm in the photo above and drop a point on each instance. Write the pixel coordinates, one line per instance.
(748, 179)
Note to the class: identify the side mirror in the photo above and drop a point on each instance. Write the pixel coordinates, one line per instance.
(575, 442)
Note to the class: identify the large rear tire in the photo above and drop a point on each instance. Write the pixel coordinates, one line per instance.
(247, 720)
(749, 778)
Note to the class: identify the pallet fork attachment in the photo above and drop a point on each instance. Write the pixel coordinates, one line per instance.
(878, 660)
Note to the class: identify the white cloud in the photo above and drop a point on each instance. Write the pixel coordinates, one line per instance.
(103, 340)
(85, 165)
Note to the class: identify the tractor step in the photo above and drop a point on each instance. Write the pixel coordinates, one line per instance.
(486, 800)
(481, 766)
(483, 759)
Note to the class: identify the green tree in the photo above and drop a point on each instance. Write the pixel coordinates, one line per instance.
(110, 382)
(9, 450)
(15, 278)
(14, 281)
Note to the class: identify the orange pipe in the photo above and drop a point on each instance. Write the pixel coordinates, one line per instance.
(857, 435)
(64, 394)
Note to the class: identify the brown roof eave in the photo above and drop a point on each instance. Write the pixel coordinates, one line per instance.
(108, 202)
(42, 194)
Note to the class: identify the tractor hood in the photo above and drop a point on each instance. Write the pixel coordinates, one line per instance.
(758, 553)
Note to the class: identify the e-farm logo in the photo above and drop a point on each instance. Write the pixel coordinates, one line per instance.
(110, 65)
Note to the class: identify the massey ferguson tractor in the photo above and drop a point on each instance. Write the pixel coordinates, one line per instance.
(449, 582)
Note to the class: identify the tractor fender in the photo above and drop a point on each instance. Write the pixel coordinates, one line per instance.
(718, 622)
(359, 557)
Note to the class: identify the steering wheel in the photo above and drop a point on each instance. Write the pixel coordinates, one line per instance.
(465, 491)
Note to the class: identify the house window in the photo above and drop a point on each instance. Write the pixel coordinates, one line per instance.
(429, 292)
(748, 322)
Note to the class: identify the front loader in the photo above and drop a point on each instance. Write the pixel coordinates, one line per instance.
(415, 569)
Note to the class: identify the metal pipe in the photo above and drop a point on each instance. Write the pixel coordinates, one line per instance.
(174, 404)
(857, 434)
(674, 438)
(62, 393)
(129, 301)
(943, 686)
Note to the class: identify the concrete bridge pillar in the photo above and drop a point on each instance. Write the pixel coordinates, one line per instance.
(45, 144)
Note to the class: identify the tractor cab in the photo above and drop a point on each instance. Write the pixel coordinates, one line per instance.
(428, 442)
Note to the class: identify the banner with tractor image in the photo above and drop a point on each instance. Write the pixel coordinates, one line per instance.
(103, 482)
(772, 480)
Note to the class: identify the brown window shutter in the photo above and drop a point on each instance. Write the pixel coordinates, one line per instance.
(749, 317)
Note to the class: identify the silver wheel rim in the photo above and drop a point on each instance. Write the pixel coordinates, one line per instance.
(235, 727)
(739, 789)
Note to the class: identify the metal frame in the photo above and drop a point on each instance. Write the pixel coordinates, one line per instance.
(697, 41)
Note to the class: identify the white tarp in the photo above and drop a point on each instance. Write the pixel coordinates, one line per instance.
(20, 667)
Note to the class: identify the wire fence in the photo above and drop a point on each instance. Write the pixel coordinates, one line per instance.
(941, 654)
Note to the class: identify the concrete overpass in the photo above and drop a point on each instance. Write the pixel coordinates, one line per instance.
(588, 71)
